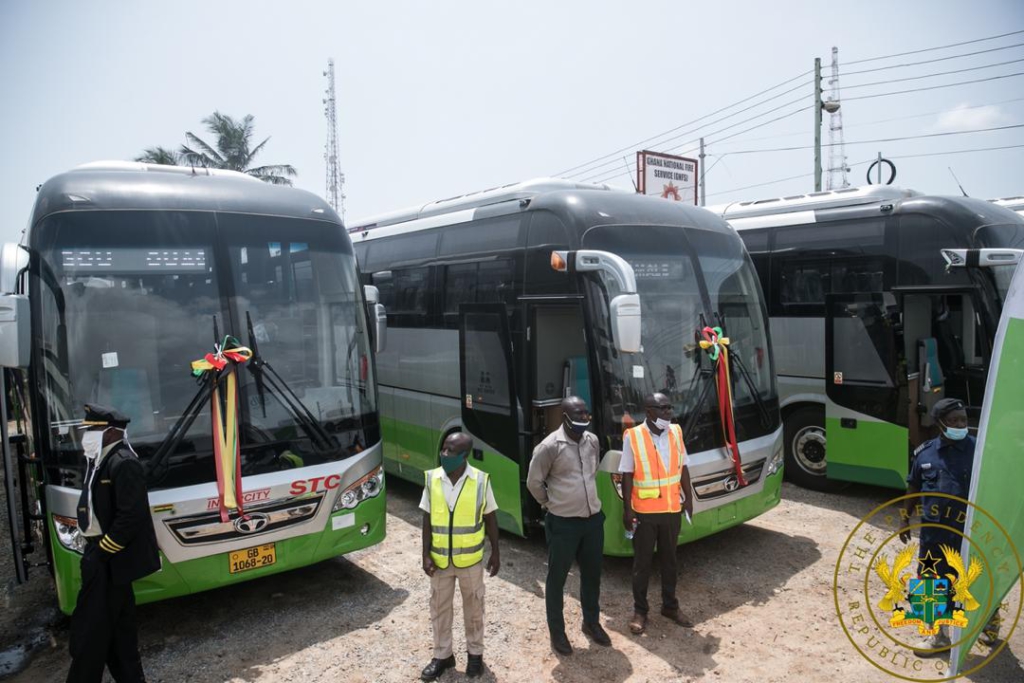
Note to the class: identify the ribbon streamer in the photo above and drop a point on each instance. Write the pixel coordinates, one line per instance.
(717, 347)
(227, 454)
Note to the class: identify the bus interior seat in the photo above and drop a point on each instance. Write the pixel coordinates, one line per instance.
(578, 380)
(932, 384)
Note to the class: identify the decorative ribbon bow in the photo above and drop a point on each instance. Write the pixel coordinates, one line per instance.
(717, 347)
(227, 356)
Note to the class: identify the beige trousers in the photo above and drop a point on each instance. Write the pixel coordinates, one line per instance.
(442, 595)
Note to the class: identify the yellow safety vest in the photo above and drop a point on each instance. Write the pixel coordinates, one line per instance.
(457, 534)
(654, 488)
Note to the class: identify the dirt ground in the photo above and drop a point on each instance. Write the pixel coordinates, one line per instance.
(760, 596)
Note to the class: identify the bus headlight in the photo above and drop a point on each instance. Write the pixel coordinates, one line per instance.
(775, 462)
(68, 534)
(369, 486)
(617, 483)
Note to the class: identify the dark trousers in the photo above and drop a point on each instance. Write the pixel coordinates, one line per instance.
(580, 539)
(659, 530)
(103, 629)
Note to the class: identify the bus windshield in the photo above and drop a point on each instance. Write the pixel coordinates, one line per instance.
(1010, 236)
(131, 298)
(675, 270)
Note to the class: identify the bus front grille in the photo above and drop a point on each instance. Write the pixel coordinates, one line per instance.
(724, 483)
(259, 519)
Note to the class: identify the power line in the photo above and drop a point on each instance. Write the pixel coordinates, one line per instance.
(929, 61)
(684, 125)
(940, 73)
(705, 125)
(867, 161)
(954, 151)
(738, 123)
(896, 139)
(932, 49)
(932, 87)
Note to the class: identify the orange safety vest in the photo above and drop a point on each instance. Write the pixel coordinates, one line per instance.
(654, 488)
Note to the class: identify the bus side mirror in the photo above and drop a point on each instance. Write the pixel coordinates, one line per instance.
(625, 320)
(14, 331)
(379, 316)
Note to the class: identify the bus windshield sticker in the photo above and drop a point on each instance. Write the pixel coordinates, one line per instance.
(110, 359)
(638, 372)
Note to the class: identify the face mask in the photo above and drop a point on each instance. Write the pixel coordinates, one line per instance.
(576, 428)
(450, 463)
(92, 443)
(662, 423)
(954, 433)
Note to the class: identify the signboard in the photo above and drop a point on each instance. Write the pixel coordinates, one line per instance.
(667, 176)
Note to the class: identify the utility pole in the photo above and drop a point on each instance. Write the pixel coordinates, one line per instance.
(335, 178)
(701, 171)
(817, 124)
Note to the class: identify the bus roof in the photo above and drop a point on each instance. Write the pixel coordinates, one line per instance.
(863, 202)
(850, 196)
(1011, 203)
(582, 206)
(495, 195)
(125, 185)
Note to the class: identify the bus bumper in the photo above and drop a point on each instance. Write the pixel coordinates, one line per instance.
(346, 531)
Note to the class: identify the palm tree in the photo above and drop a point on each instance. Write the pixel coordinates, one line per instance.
(233, 150)
(158, 155)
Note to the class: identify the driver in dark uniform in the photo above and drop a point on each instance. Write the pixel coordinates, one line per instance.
(114, 518)
(943, 465)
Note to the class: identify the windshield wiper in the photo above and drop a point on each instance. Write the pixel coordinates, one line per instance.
(155, 466)
(705, 374)
(762, 409)
(266, 376)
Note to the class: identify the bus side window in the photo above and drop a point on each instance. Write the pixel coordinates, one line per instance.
(480, 282)
(409, 296)
(920, 263)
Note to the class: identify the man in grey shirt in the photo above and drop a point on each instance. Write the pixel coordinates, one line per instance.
(561, 478)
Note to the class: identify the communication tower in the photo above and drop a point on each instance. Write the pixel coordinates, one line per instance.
(837, 168)
(335, 178)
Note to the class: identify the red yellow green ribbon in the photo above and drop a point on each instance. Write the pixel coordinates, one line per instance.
(226, 447)
(717, 347)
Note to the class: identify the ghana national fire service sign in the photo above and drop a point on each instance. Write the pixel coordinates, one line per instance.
(667, 176)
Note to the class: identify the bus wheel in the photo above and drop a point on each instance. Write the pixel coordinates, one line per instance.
(805, 449)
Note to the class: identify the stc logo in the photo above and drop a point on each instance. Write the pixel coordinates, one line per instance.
(315, 484)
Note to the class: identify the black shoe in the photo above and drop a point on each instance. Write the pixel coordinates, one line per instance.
(597, 634)
(433, 671)
(561, 644)
(476, 666)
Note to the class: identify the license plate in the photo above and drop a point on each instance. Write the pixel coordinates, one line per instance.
(252, 558)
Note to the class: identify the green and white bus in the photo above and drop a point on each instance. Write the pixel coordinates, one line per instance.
(869, 326)
(502, 302)
(126, 274)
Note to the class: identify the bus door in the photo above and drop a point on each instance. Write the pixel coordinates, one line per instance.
(865, 414)
(947, 350)
(490, 404)
(557, 362)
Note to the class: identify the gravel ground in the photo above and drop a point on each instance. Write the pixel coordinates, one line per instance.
(760, 595)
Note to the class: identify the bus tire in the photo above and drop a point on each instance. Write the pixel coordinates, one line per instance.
(805, 453)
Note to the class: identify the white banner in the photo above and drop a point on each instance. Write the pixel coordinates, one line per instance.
(667, 176)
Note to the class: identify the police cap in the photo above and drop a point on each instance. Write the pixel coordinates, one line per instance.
(97, 415)
(946, 406)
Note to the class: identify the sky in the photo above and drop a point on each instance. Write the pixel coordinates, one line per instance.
(442, 98)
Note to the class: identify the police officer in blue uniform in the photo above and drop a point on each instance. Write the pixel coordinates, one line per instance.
(114, 519)
(942, 465)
